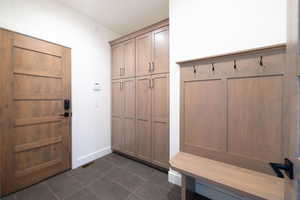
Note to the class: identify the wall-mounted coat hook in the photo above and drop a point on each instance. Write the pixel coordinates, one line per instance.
(213, 67)
(234, 64)
(261, 62)
(194, 67)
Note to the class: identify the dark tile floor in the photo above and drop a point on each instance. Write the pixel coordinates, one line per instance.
(110, 178)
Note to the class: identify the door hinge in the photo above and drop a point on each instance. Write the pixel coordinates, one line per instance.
(288, 167)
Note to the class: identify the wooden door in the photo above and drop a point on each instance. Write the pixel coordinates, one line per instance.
(144, 54)
(129, 59)
(117, 115)
(35, 80)
(160, 120)
(160, 51)
(117, 61)
(129, 116)
(143, 118)
(291, 94)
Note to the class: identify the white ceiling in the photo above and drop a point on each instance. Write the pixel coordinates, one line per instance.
(122, 16)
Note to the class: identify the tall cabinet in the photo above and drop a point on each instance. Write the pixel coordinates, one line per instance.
(140, 94)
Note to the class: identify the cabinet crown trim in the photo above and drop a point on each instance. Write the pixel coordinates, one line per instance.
(142, 31)
(266, 50)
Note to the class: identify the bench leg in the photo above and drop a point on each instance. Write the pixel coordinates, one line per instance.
(187, 188)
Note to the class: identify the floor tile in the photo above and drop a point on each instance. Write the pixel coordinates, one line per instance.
(118, 160)
(102, 165)
(161, 179)
(125, 178)
(83, 195)
(150, 191)
(139, 169)
(134, 197)
(10, 197)
(40, 191)
(86, 175)
(64, 185)
(107, 190)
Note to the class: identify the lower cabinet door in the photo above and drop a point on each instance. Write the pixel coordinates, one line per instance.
(143, 118)
(160, 120)
(117, 135)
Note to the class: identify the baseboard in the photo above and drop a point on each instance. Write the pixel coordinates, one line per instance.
(174, 177)
(91, 157)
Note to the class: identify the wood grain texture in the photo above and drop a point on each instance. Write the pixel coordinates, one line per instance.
(243, 102)
(39, 77)
(247, 183)
(144, 50)
(160, 120)
(160, 51)
(129, 59)
(255, 118)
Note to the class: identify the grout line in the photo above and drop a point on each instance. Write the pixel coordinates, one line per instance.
(51, 191)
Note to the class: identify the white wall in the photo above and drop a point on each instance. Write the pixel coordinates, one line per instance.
(200, 28)
(52, 21)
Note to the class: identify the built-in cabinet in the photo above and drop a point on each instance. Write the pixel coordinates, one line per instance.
(140, 95)
(123, 60)
(152, 52)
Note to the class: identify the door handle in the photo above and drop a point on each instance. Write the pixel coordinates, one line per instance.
(66, 114)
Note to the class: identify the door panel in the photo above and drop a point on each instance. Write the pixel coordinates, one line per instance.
(161, 51)
(255, 118)
(129, 116)
(129, 59)
(204, 115)
(160, 120)
(117, 61)
(143, 118)
(143, 54)
(37, 138)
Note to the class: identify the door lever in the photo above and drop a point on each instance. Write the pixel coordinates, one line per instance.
(66, 114)
(288, 167)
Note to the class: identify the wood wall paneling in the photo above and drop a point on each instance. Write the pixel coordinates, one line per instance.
(234, 113)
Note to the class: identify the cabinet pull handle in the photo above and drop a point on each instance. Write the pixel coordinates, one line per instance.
(123, 71)
(120, 71)
(120, 85)
(149, 83)
(152, 83)
(153, 67)
(149, 66)
(213, 67)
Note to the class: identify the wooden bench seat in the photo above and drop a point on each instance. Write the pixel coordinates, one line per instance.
(242, 181)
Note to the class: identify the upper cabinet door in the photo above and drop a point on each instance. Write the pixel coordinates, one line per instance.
(160, 62)
(129, 59)
(143, 54)
(117, 61)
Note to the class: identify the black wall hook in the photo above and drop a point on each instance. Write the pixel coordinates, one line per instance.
(234, 64)
(261, 63)
(195, 71)
(213, 67)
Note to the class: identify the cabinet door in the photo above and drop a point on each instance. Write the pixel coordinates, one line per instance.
(117, 136)
(117, 99)
(129, 116)
(161, 51)
(117, 61)
(143, 118)
(160, 120)
(143, 54)
(129, 59)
